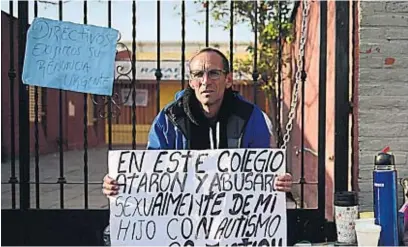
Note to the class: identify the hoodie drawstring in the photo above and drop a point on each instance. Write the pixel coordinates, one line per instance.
(218, 134)
(217, 131)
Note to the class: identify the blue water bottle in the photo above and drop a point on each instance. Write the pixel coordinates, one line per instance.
(385, 197)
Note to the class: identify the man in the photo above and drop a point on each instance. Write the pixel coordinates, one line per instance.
(209, 115)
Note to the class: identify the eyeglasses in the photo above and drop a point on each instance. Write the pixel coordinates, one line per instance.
(213, 74)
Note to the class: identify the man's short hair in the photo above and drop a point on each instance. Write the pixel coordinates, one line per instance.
(225, 61)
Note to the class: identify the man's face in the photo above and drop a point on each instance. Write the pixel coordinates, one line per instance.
(208, 79)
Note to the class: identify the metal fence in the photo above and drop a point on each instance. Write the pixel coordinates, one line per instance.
(59, 156)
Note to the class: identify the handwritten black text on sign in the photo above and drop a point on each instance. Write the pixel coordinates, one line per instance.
(199, 197)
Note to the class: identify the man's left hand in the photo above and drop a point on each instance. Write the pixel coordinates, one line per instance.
(284, 183)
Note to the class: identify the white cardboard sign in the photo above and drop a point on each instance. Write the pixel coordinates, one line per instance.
(197, 198)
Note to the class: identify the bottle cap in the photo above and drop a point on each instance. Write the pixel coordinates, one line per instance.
(384, 158)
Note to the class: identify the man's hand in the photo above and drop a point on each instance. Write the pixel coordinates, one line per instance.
(284, 183)
(110, 186)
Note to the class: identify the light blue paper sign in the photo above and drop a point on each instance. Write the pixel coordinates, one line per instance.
(70, 56)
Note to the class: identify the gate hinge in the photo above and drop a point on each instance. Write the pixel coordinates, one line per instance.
(351, 106)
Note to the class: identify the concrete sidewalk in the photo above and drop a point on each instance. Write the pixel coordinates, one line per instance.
(49, 170)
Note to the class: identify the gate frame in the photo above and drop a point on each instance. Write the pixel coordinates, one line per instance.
(88, 224)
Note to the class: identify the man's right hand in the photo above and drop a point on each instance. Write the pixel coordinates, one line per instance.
(110, 186)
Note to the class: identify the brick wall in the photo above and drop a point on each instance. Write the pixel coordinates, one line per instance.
(383, 89)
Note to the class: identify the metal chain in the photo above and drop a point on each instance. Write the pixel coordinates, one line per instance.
(298, 76)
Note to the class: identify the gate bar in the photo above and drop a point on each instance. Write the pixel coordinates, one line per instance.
(61, 179)
(133, 84)
(232, 40)
(354, 99)
(12, 76)
(86, 126)
(24, 124)
(303, 181)
(158, 72)
(341, 144)
(255, 73)
(207, 23)
(183, 42)
(109, 97)
(322, 111)
(278, 138)
(36, 140)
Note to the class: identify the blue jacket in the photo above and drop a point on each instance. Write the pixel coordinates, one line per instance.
(246, 126)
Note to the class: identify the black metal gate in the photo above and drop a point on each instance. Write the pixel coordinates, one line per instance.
(28, 171)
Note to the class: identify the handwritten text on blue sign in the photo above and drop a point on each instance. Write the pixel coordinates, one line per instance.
(70, 56)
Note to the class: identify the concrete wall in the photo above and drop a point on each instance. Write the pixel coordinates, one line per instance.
(383, 89)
